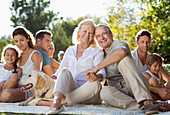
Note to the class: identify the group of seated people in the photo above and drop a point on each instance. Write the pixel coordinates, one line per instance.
(133, 80)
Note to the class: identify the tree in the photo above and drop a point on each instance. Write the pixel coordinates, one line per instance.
(157, 20)
(32, 14)
(152, 15)
(123, 21)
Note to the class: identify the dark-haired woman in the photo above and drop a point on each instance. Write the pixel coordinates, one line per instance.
(30, 59)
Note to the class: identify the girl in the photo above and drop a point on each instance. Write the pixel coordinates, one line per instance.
(9, 71)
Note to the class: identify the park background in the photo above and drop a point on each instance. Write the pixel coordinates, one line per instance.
(124, 17)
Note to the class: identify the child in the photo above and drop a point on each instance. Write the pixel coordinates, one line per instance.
(9, 72)
(154, 63)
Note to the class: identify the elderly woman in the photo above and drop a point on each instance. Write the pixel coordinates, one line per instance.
(71, 83)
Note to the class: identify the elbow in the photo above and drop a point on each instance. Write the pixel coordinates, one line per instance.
(124, 51)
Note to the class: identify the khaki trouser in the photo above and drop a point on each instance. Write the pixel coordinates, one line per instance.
(134, 89)
(88, 93)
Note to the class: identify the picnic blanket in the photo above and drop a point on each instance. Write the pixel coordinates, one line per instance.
(74, 109)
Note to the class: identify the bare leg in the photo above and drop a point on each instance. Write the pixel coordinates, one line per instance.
(168, 84)
(45, 103)
(12, 95)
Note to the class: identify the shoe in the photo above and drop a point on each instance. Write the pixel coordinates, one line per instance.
(163, 106)
(150, 108)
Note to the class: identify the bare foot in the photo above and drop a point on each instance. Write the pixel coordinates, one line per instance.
(58, 97)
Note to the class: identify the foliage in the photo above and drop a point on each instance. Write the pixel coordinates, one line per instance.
(125, 23)
(32, 14)
(122, 21)
(167, 67)
(157, 20)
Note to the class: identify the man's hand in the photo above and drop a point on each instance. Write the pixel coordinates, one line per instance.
(91, 77)
(93, 71)
(164, 93)
(53, 77)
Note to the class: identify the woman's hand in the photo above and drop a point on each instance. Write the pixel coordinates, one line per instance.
(91, 77)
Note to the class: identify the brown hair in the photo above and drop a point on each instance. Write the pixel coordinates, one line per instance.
(142, 33)
(154, 57)
(19, 30)
(40, 34)
(14, 48)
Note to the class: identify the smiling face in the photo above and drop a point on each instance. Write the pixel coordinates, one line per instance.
(143, 44)
(10, 56)
(104, 37)
(155, 68)
(86, 34)
(21, 42)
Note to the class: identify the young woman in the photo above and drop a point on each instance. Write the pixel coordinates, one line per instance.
(30, 59)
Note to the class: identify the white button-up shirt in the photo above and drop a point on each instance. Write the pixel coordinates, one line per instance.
(78, 66)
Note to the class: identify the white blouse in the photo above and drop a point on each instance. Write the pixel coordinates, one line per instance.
(78, 66)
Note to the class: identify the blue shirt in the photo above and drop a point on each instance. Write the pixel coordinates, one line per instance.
(46, 59)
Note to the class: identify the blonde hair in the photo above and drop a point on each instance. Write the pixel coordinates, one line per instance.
(76, 37)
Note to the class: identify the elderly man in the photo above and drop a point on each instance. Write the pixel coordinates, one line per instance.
(127, 87)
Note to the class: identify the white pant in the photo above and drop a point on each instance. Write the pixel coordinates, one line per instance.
(88, 93)
(134, 90)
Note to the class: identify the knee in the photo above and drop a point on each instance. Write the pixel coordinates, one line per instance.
(13, 78)
(97, 86)
(5, 96)
(64, 72)
(126, 59)
(106, 92)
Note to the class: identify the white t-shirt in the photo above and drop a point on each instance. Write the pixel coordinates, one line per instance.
(4, 74)
(142, 68)
(78, 66)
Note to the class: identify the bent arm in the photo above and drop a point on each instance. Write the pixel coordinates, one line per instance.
(165, 74)
(113, 58)
(54, 63)
(164, 93)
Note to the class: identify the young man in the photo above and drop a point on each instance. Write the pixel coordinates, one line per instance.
(43, 42)
(127, 87)
(140, 54)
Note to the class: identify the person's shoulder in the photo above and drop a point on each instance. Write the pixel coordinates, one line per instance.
(97, 48)
(36, 53)
(147, 75)
(134, 53)
(71, 49)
